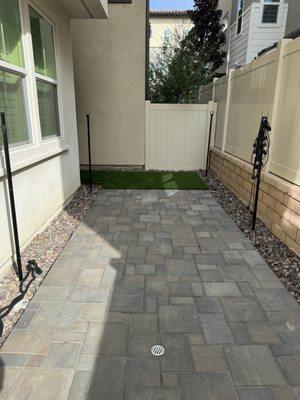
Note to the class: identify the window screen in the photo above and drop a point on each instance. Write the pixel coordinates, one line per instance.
(270, 11)
(43, 45)
(12, 104)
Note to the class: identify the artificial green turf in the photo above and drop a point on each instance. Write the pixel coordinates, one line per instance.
(145, 180)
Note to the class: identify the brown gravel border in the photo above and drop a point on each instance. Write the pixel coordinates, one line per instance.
(44, 248)
(284, 262)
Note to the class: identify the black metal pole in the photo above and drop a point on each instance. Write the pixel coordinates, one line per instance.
(89, 150)
(147, 50)
(260, 150)
(254, 215)
(209, 141)
(11, 196)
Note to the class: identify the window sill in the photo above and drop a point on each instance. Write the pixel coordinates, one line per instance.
(34, 159)
(269, 25)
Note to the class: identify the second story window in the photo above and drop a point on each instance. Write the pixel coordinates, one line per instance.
(240, 16)
(270, 11)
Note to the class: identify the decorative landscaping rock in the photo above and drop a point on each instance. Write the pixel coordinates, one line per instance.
(44, 248)
(284, 262)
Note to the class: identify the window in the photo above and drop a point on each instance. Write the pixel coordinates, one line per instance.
(48, 109)
(240, 16)
(167, 35)
(15, 86)
(45, 69)
(12, 72)
(225, 23)
(12, 104)
(185, 32)
(270, 11)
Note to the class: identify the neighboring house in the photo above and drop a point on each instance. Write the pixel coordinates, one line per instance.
(165, 24)
(38, 98)
(225, 6)
(293, 18)
(110, 73)
(258, 24)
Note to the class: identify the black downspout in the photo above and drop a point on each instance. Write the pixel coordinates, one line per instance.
(11, 196)
(147, 50)
(209, 142)
(89, 150)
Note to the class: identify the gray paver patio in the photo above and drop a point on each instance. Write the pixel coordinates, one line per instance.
(156, 267)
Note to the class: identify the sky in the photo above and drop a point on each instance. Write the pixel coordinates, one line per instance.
(171, 4)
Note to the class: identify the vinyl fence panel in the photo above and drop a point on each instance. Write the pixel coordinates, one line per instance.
(176, 136)
(285, 157)
(252, 95)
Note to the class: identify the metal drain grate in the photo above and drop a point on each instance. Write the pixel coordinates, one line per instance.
(157, 350)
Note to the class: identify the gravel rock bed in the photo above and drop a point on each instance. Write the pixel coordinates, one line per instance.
(284, 262)
(44, 248)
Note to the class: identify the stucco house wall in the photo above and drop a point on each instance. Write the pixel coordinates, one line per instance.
(46, 172)
(109, 64)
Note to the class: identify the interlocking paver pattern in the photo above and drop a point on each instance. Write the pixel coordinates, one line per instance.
(156, 267)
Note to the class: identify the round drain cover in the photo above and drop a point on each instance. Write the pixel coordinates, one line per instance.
(157, 350)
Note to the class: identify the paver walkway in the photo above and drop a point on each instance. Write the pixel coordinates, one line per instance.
(148, 267)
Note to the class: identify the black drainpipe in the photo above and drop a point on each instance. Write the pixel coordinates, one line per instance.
(147, 49)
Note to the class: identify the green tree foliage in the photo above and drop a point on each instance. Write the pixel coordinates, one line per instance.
(187, 62)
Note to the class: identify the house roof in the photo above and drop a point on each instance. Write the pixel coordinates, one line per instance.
(168, 13)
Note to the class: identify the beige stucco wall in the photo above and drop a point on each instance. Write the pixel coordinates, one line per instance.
(46, 172)
(109, 63)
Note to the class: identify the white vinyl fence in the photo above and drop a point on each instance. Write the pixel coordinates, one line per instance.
(270, 86)
(177, 135)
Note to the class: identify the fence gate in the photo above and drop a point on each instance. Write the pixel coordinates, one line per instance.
(177, 135)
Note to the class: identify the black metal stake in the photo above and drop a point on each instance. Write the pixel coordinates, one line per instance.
(209, 141)
(11, 196)
(260, 150)
(89, 150)
(254, 215)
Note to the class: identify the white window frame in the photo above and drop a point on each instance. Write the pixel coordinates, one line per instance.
(45, 79)
(23, 73)
(38, 149)
(279, 17)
